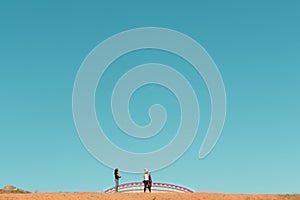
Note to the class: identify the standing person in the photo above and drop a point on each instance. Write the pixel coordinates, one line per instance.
(117, 177)
(147, 180)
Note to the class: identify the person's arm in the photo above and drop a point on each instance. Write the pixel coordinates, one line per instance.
(150, 180)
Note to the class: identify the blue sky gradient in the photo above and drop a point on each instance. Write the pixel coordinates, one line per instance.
(255, 45)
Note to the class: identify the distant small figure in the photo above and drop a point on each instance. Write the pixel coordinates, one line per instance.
(117, 177)
(147, 180)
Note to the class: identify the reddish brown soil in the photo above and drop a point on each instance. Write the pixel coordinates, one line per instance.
(145, 196)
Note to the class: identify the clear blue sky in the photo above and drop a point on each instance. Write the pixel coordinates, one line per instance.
(255, 45)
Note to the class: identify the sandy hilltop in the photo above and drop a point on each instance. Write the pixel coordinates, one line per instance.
(13, 193)
(145, 196)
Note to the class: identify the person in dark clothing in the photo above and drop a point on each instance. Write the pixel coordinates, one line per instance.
(147, 180)
(117, 177)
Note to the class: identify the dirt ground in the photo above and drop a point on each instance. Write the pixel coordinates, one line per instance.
(145, 196)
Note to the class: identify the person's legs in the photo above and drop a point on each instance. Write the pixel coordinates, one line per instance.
(145, 185)
(149, 187)
(117, 184)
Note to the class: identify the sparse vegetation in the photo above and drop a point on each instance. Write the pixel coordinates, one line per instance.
(12, 190)
(17, 191)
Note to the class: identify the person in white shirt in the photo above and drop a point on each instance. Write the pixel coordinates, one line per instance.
(147, 180)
